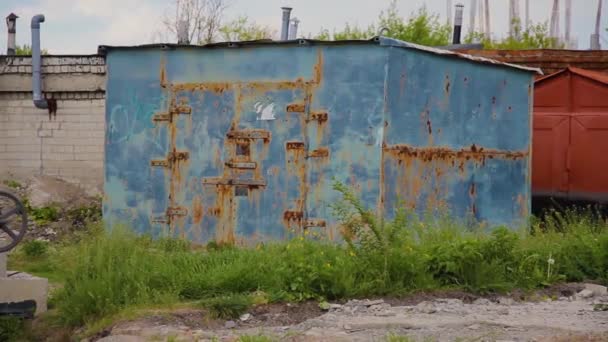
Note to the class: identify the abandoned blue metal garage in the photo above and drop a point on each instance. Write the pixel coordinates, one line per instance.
(240, 142)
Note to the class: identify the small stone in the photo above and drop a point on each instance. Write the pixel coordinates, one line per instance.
(335, 307)
(598, 290)
(347, 327)
(482, 301)
(503, 311)
(230, 325)
(245, 317)
(474, 327)
(373, 302)
(563, 299)
(585, 294)
(426, 307)
(506, 301)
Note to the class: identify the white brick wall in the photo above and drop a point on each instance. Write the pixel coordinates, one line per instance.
(69, 145)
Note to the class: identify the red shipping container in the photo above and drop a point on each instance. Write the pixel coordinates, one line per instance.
(570, 140)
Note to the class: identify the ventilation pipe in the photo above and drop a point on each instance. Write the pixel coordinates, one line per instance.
(11, 23)
(458, 23)
(293, 29)
(39, 101)
(285, 23)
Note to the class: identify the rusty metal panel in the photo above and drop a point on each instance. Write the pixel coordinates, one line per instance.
(241, 144)
(457, 137)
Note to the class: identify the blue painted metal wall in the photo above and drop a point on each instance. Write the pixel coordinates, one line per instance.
(241, 144)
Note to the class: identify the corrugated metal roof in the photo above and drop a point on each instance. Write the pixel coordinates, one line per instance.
(382, 41)
(594, 75)
(550, 61)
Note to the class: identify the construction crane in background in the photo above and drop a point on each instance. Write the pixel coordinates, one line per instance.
(554, 29)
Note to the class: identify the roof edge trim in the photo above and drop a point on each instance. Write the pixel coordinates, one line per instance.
(398, 43)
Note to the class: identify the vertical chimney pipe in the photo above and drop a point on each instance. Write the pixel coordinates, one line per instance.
(458, 24)
(285, 23)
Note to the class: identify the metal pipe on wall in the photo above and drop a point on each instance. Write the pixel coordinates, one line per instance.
(39, 101)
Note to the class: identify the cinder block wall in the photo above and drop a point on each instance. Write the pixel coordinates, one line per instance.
(68, 144)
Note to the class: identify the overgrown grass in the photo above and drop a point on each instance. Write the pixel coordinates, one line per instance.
(11, 328)
(108, 272)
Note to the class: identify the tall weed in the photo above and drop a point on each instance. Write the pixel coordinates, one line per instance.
(110, 271)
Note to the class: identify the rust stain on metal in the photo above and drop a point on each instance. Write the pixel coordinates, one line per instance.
(249, 134)
(321, 152)
(419, 162)
(294, 145)
(473, 196)
(293, 219)
(296, 108)
(197, 210)
(241, 165)
(317, 223)
(428, 154)
(163, 73)
(319, 117)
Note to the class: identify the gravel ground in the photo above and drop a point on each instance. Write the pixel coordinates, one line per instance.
(575, 318)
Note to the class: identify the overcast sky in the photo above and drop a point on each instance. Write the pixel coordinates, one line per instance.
(79, 26)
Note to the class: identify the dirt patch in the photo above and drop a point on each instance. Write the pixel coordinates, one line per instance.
(441, 316)
(283, 314)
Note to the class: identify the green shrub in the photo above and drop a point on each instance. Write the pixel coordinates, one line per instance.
(35, 248)
(42, 215)
(13, 184)
(228, 306)
(84, 214)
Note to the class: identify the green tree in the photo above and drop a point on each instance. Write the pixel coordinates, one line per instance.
(242, 29)
(535, 36)
(421, 27)
(26, 50)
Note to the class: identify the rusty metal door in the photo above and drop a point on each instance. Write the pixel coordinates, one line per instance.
(237, 160)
